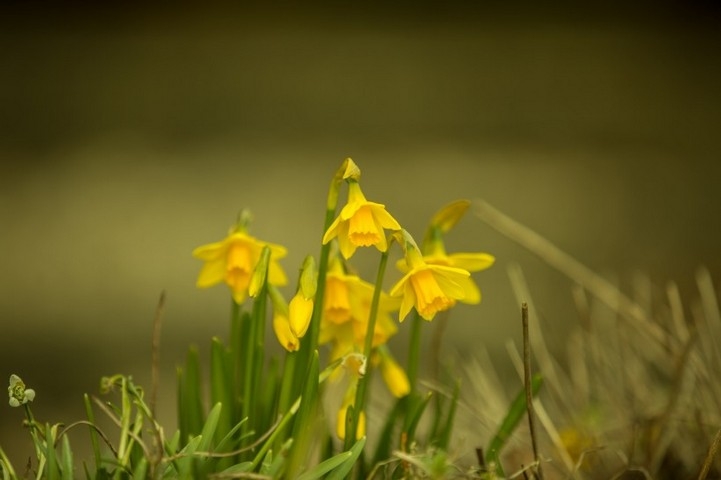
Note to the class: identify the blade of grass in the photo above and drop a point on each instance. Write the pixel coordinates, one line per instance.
(417, 407)
(220, 387)
(515, 413)
(303, 426)
(345, 468)
(190, 404)
(67, 459)
(93, 434)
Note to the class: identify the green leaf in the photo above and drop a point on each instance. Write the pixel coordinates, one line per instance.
(416, 408)
(7, 468)
(141, 469)
(95, 443)
(304, 421)
(221, 389)
(515, 413)
(238, 468)
(445, 435)
(51, 463)
(67, 459)
(211, 424)
(275, 469)
(190, 404)
(344, 469)
(183, 465)
(325, 466)
(385, 439)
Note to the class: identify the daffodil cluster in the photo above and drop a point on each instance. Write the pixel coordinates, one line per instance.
(355, 318)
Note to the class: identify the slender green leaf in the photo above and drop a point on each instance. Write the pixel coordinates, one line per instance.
(51, 462)
(385, 439)
(304, 421)
(66, 455)
(7, 468)
(94, 442)
(325, 466)
(345, 468)
(190, 404)
(275, 469)
(515, 413)
(445, 434)
(227, 442)
(221, 391)
(416, 409)
(211, 424)
(238, 468)
(140, 471)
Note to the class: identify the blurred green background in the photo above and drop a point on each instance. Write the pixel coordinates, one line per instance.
(130, 135)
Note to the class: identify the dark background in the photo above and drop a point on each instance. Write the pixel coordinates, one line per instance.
(131, 134)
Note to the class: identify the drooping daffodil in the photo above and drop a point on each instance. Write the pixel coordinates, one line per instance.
(360, 223)
(427, 287)
(233, 261)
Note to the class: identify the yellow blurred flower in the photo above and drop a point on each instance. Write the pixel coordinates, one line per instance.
(340, 423)
(346, 310)
(393, 375)
(353, 367)
(233, 260)
(360, 224)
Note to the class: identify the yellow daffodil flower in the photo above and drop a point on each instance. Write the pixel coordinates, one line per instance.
(233, 260)
(346, 309)
(427, 287)
(435, 254)
(360, 224)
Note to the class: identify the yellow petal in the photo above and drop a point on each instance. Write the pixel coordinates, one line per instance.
(395, 377)
(473, 262)
(347, 248)
(211, 274)
(448, 216)
(384, 218)
(409, 300)
(350, 209)
(332, 231)
(449, 282)
(211, 251)
(239, 296)
(472, 293)
(286, 338)
(340, 423)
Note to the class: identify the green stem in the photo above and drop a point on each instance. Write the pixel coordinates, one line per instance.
(360, 397)
(314, 328)
(250, 368)
(414, 350)
(286, 388)
(309, 343)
